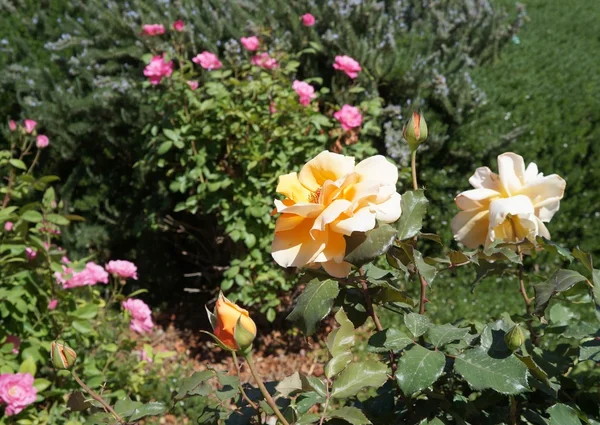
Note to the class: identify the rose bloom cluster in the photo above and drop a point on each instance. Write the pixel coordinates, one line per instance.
(16, 392)
(41, 141)
(141, 315)
(93, 273)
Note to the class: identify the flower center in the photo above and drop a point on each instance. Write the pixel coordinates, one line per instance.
(314, 196)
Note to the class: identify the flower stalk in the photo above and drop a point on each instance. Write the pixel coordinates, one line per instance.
(96, 397)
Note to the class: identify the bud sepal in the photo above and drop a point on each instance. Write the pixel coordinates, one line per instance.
(63, 357)
(415, 131)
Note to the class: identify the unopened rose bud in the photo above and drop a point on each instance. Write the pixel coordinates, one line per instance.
(415, 130)
(62, 356)
(233, 325)
(514, 338)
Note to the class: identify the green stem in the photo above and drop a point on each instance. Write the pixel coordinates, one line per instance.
(237, 368)
(423, 297)
(96, 397)
(264, 391)
(413, 166)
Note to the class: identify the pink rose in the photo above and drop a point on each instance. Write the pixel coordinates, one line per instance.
(52, 304)
(30, 126)
(264, 61)
(308, 20)
(250, 43)
(141, 315)
(208, 61)
(153, 29)
(122, 268)
(12, 125)
(349, 116)
(8, 226)
(15, 341)
(17, 392)
(157, 69)
(89, 276)
(193, 85)
(348, 65)
(305, 91)
(178, 25)
(42, 141)
(30, 253)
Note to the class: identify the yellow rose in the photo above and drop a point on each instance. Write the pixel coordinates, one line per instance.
(509, 206)
(331, 198)
(227, 315)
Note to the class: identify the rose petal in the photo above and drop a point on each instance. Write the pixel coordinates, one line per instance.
(471, 227)
(290, 187)
(475, 198)
(377, 169)
(511, 169)
(325, 166)
(296, 247)
(362, 221)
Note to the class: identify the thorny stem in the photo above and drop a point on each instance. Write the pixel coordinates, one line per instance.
(423, 298)
(513, 410)
(237, 368)
(96, 397)
(264, 391)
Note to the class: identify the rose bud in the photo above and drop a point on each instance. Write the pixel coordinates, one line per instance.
(415, 131)
(62, 356)
(232, 325)
(514, 338)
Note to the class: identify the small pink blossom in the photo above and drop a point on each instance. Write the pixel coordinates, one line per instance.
(348, 65)
(15, 341)
(12, 125)
(308, 20)
(193, 85)
(30, 253)
(305, 91)
(264, 61)
(89, 276)
(122, 268)
(272, 108)
(65, 259)
(207, 60)
(178, 25)
(250, 43)
(42, 141)
(52, 304)
(30, 126)
(157, 69)
(8, 226)
(144, 357)
(349, 116)
(141, 315)
(153, 29)
(17, 392)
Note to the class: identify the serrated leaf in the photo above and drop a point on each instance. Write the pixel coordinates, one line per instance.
(314, 304)
(584, 257)
(154, 408)
(383, 292)
(312, 383)
(351, 415)
(289, 384)
(193, 384)
(414, 206)
(506, 376)
(417, 324)
(363, 247)
(427, 271)
(341, 339)
(418, 368)
(561, 414)
(32, 216)
(562, 280)
(338, 364)
(389, 339)
(440, 335)
(356, 376)
(555, 248)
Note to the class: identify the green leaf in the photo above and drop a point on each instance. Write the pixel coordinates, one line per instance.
(590, 350)
(414, 206)
(362, 248)
(561, 414)
(418, 368)
(584, 257)
(351, 415)
(100, 419)
(193, 385)
(427, 271)
(32, 216)
(356, 376)
(17, 163)
(28, 366)
(440, 335)
(555, 248)
(126, 407)
(341, 339)
(164, 147)
(312, 383)
(562, 280)
(78, 402)
(596, 291)
(41, 384)
(417, 324)
(338, 364)
(88, 311)
(289, 384)
(506, 376)
(314, 304)
(82, 326)
(149, 409)
(389, 339)
(57, 219)
(171, 135)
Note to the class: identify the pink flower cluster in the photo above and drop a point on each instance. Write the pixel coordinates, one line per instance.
(16, 392)
(305, 91)
(141, 315)
(207, 60)
(153, 29)
(348, 65)
(250, 43)
(89, 276)
(52, 304)
(193, 85)
(264, 61)
(122, 268)
(30, 253)
(157, 69)
(178, 26)
(8, 226)
(308, 20)
(349, 116)
(30, 126)
(42, 141)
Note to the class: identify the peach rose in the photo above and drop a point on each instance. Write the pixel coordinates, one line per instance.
(509, 206)
(331, 198)
(227, 315)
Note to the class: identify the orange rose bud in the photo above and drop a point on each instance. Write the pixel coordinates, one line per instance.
(62, 356)
(415, 131)
(228, 316)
